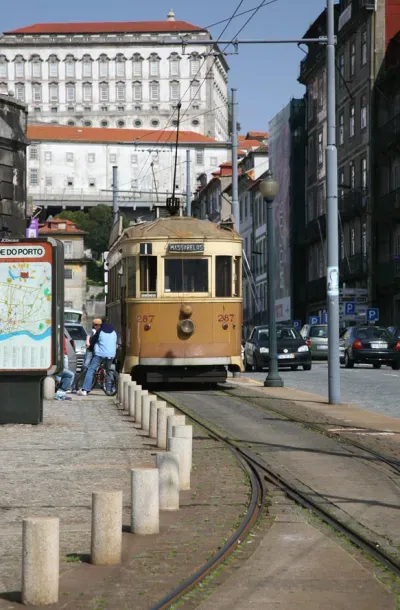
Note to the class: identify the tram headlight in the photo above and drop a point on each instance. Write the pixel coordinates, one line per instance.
(186, 327)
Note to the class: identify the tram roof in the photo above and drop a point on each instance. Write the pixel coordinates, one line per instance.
(180, 227)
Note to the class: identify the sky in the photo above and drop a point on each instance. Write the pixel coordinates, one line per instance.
(265, 76)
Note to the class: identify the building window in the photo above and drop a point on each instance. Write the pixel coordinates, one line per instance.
(154, 64)
(134, 159)
(70, 181)
(54, 109)
(155, 123)
(20, 91)
(68, 250)
(195, 90)
(363, 47)
(320, 92)
(120, 92)
(364, 239)
(320, 148)
(53, 92)
(37, 92)
(91, 158)
(120, 66)
(69, 157)
(34, 176)
(352, 175)
(103, 66)
(71, 123)
(113, 158)
(311, 159)
(92, 182)
(137, 123)
(154, 91)
(53, 66)
(341, 69)
(104, 123)
(363, 111)
(19, 67)
(137, 91)
(87, 92)
(49, 181)
(3, 67)
(341, 181)
(121, 124)
(86, 66)
(70, 92)
(67, 272)
(352, 242)
(48, 156)
(352, 121)
(174, 91)
(87, 123)
(34, 152)
(68, 304)
(320, 200)
(174, 61)
(364, 172)
(213, 161)
(134, 183)
(70, 66)
(352, 59)
(200, 156)
(341, 246)
(194, 64)
(36, 65)
(341, 128)
(137, 65)
(104, 92)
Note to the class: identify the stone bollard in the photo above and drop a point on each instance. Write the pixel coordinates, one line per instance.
(121, 378)
(40, 560)
(185, 432)
(181, 446)
(127, 394)
(153, 416)
(146, 402)
(162, 415)
(174, 420)
(168, 480)
(138, 404)
(49, 388)
(145, 518)
(106, 528)
(131, 402)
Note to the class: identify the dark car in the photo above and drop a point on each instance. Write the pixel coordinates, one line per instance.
(369, 345)
(395, 331)
(292, 350)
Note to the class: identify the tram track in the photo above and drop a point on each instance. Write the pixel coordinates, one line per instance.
(261, 470)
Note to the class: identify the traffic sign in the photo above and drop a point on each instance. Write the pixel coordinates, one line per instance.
(314, 320)
(324, 317)
(373, 314)
(349, 308)
(297, 324)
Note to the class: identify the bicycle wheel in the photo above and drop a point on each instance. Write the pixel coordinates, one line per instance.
(110, 383)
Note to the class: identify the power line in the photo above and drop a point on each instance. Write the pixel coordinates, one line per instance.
(265, 3)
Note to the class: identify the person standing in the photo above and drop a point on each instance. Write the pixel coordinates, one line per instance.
(104, 344)
(97, 322)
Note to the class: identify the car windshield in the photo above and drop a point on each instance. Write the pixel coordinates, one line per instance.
(320, 332)
(78, 333)
(282, 334)
(373, 333)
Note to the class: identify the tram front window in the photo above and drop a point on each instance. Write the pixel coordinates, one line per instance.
(186, 275)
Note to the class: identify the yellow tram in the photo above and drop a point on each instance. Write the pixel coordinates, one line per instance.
(175, 299)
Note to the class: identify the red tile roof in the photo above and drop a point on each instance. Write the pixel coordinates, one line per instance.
(107, 27)
(257, 134)
(105, 134)
(52, 227)
(249, 144)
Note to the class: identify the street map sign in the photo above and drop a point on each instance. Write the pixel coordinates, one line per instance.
(25, 306)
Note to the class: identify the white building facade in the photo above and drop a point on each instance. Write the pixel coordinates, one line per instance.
(72, 167)
(117, 75)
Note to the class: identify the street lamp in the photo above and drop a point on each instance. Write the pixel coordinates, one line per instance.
(269, 189)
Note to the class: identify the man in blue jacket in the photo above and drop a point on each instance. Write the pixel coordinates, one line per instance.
(104, 346)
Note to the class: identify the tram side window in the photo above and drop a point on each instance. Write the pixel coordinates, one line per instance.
(223, 276)
(236, 277)
(186, 275)
(131, 277)
(148, 274)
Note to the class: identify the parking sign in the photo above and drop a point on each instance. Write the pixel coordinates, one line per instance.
(373, 314)
(314, 320)
(349, 308)
(297, 324)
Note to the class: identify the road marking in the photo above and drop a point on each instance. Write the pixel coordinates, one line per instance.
(390, 375)
(362, 432)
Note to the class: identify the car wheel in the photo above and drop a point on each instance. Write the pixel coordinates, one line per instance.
(377, 365)
(294, 367)
(396, 366)
(246, 365)
(348, 362)
(257, 367)
(307, 367)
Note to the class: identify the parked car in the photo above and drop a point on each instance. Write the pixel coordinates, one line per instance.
(394, 330)
(292, 350)
(316, 337)
(71, 353)
(369, 345)
(79, 336)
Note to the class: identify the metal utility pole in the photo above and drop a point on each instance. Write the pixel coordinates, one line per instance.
(188, 189)
(115, 194)
(235, 194)
(332, 272)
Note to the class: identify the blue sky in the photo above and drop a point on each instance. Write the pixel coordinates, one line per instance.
(264, 75)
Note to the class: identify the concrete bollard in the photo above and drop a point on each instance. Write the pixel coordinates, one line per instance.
(153, 416)
(168, 480)
(40, 560)
(146, 402)
(121, 378)
(145, 518)
(106, 528)
(127, 394)
(131, 401)
(49, 388)
(181, 446)
(185, 432)
(162, 415)
(138, 404)
(174, 420)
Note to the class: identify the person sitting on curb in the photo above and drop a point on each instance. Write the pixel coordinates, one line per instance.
(97, 322)
(65, 378)
(104, 344)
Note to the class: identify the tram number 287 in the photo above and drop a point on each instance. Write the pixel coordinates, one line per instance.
(146, 319)
(227, 317)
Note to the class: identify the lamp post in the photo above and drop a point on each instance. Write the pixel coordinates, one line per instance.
(269, 189)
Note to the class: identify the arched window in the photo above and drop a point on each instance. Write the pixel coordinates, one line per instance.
(53, 66)
(87, 66)
(3, 67)
(174, 90)
(137, 62)
(53, 92)
(103, 66)
(20, 91)
(137, 91)
(36, 66)
(194, 64)
(195, 90)
(87, 92)
(120, 66)
(154, 64)
(70, 92)
(104, 92)
(154, 91)
(19, 66)
(70, 66)
(120, 92)
(174, 62)
(36, 92)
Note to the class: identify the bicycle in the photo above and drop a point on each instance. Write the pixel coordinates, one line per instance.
(100, 378)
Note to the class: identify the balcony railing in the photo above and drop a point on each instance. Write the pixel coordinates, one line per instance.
(310, 62)
(353, 267)
(389, 272)
(316, 290)
(389, 206)
(389, 133)
(83, 198)
(353, 203)
(316, 229)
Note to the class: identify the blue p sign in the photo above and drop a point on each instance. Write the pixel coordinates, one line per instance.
(297, 324)
(349, 309)
(314, 320)
(373, 314)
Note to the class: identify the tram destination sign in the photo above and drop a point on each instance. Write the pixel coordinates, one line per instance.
(192, 248)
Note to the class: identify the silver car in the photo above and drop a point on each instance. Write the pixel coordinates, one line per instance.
(79, 337)
(316, 337)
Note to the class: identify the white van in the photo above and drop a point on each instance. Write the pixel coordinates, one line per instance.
(73, 315)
